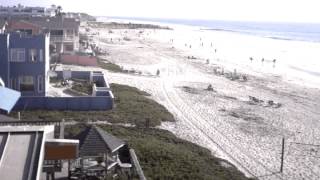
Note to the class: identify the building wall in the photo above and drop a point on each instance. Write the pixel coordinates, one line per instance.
(29, 68)
(79, 60)
(4, 64)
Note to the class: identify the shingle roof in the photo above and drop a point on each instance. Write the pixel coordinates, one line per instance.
(49, 22)
(56, 22)
(95, 141)
(25, 22)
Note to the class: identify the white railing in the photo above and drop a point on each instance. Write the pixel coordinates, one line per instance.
(55, 38)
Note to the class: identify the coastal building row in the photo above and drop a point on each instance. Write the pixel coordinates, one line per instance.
(64, 32)
(26, 45)
(25, 10)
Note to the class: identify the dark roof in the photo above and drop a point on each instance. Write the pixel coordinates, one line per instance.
(25, 22)
(56, 22)
(95, 141)
(49, 22)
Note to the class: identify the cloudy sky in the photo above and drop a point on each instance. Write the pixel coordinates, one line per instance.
(249, 10)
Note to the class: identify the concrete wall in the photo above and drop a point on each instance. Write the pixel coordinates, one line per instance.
(75, 74)
(82, 103)
(102, 98)
(79, 60)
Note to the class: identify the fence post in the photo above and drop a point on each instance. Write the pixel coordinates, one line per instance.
(282, 155)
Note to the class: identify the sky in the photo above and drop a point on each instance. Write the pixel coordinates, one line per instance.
(238, 10)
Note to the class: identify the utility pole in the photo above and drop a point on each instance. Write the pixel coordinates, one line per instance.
(282, 155)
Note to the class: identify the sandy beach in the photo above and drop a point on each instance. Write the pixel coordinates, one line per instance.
(242, 120)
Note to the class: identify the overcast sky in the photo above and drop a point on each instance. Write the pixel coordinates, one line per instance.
(249, 10)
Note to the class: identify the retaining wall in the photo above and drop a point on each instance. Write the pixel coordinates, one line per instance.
(81, 103)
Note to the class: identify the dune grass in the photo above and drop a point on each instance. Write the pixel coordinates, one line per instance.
(109, 66)
(164, 156)
(132, 106)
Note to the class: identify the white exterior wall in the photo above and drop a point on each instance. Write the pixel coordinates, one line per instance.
(47, 63)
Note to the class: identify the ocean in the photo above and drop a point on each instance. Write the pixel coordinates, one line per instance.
(285, 31)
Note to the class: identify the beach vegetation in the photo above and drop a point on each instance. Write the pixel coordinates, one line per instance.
(109, 66)
(132, 106)
(162, 155)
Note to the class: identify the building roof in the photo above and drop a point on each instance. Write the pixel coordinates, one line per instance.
(48, 22)
(8, 98)
(56, 22)
(95, 141)
(24, 162)
(24, 22)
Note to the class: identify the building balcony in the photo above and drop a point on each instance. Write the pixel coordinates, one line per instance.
(66, 38)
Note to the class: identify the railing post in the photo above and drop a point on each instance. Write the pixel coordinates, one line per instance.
(62, 129)
(282, 156)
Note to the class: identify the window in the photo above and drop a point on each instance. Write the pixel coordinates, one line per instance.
(33, 55)
(41, 55)
(56, 32)
(40, 84)
(26, 83)
(69, 32)
(13, 83)
(17, 55)
(25, 31)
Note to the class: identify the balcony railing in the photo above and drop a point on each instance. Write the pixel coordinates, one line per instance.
(55, 38)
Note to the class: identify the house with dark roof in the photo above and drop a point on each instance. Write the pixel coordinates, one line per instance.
(64, 32)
